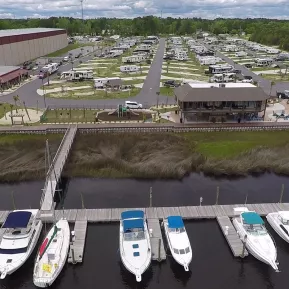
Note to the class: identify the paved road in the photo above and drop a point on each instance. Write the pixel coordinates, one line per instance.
(148, 95)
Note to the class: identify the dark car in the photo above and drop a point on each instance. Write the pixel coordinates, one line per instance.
(237, 71)
(27, 65)
(248, 65)
(171, 83)
(167, 58)
(283, 95)
(78, 55)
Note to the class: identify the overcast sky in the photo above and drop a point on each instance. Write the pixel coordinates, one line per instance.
(128, 8)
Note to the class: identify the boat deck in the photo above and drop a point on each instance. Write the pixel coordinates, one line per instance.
(157, 243)
(77, 248)
(232, 237)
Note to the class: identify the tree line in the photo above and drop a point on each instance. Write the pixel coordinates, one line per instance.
(265, 31)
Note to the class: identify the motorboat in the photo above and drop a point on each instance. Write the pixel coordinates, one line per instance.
(21, 231)
(134, 243)
(178, 240)
(279, 221)
(52, 255)
(251, 230)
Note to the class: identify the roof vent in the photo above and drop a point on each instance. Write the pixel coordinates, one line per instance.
(222, 85)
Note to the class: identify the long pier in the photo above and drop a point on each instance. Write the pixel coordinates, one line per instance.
(54, 173)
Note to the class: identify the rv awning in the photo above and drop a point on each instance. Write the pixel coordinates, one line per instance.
(133, 224)
(252, 218)
(175, 222)
(137, 214)
(18, 219)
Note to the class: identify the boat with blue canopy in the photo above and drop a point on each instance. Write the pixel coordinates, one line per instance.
(178, 240)
(21, 231)
(134, 242)
(253, 233)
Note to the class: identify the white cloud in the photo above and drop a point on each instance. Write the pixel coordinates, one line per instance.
(130, 8)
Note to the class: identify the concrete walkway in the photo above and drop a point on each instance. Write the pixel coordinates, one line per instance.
(59, 89)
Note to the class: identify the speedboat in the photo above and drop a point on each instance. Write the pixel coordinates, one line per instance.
(251, 230)
(52, 255)
(178, 240)
(279, 221)
(134, 243)
(21, 231)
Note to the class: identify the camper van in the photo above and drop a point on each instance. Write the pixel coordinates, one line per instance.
(77, 75)
(129, 68)
(264, 61)
(220, 68)
(101, 82)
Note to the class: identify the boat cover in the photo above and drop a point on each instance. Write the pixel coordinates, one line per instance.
(133, 224)
(132, 215)
(17, 219)
(252, 218)
(175, 222)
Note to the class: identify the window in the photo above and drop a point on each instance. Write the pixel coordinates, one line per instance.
(182, 251)
(187, 250)
(176, 251)
(13, 251)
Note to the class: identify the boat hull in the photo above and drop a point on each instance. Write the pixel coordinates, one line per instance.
(275, 224)
(62, 248)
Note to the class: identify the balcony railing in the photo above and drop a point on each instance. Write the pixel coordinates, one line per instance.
(224, 109)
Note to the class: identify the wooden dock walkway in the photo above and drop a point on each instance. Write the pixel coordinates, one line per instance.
(76, 250)
(232, 237)
(157, 243)
(54, 173)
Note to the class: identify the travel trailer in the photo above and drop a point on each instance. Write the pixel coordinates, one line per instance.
(264, 61)
(134, 58)
(77, 75)
(220, 68)
(101, 82)
(241, 53)
(272, 51)
(49, 68)
(129, 68)
(208, 60)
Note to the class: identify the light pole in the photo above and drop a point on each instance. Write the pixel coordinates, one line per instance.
(43, 93)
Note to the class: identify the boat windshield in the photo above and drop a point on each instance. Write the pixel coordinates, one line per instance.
(182, 251)
(256, 229)
(177, 230)
(13, 251)
(134, 235)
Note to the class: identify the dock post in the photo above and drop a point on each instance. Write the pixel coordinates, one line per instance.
(244, 246)
(72, 254)
(201, 200)
(13, 200)
(217, 195)
(159, 251)
(246, 199)
(82, 201)
(151, 197)
(282, 193)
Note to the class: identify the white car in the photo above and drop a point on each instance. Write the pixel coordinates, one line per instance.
(66, 58)
(133, 104)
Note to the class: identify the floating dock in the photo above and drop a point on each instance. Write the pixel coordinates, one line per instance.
(77, 247)
(157, 243)
(232, 237)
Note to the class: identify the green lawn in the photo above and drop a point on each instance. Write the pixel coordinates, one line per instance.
(276, 77)
(230, 144)
(169, 91)
(69, 47)
(5, 107)
(67, 115)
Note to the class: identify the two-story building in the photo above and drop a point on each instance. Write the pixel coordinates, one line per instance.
(220, 102)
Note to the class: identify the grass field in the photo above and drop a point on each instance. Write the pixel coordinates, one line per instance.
(169, 91)
(276, 77)
(6, 107)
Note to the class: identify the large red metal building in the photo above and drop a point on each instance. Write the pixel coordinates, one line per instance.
(20, 45)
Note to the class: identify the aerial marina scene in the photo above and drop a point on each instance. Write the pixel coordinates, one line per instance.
(143, 146)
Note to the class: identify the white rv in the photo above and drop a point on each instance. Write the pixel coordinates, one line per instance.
(129, 68)
(49, 68)
(263, 62)
(220, 68)
(273, 50)
(133, 58)
(101, 82)
(241, 53)
(225, 77)
(77, 75)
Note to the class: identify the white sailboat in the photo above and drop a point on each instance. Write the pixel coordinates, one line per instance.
(52, 255)
(251, 230)
(178, 240)
(21, 231)
(134, 243)
(279, 221)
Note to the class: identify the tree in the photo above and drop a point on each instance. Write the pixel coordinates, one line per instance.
(272, 83)
(16, 99)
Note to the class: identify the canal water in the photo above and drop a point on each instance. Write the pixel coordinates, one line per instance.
(212, 267)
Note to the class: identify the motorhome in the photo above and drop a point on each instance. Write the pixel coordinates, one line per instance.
(263, 61)
(129, 68)
(220, 68)
(133, 58)
(230, 48)
(273, 50)
(101, 82)
(77, 75)
(181, 56)
(241, 53)
(225, 77)
(208, 60)
(49, 68)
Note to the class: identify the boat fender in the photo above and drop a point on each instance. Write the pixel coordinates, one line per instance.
(186, 267)
(3, 275)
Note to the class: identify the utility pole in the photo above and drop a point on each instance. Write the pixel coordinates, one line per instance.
(81, 3)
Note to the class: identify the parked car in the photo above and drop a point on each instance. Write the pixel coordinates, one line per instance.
(65, 58)
(133, 105)
(283, 95)
(27, 65)
(78, 55)
(42, 75)
(248, 65)
(171, 83)
(247, 79)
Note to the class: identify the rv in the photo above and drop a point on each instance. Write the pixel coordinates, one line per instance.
(101, 82)
(272, 51)
(133, 58)
(129, 68)
(77, 75)
(241, 53)
(49, 68)
(220, 68)
(225, 77)
(264, 61)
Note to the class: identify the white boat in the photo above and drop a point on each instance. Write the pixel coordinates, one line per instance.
(21, 231)
(134, 243)
(52, 255)
(251, 230)
(178, 240)
(279, 221)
